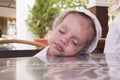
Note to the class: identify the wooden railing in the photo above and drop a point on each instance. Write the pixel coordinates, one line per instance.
(20, 53)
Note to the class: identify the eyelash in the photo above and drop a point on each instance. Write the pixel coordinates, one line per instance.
(76, 44)
(61, 31)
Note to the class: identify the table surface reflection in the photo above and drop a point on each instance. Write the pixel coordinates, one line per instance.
(84, 67)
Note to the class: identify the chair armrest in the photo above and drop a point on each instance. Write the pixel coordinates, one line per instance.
(37, 44)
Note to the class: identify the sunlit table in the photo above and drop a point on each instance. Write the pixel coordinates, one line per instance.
(84, 67)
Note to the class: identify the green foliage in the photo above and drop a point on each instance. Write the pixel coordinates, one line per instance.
(73, 3)
(111, 12)
(42, 15)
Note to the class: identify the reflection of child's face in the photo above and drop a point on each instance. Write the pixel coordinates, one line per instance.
(71, 36)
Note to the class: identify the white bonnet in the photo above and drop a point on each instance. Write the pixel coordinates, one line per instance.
(93, 45)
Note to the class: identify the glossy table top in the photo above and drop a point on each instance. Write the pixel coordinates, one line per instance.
(84, 67)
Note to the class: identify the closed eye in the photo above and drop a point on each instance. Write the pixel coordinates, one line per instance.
(75, 42)
(62, 31)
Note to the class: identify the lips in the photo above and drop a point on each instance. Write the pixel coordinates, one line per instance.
(58, 47)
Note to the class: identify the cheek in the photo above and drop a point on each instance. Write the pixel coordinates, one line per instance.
(54, 36)
(71, 50)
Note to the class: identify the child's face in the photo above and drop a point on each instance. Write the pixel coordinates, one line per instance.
(71, 36)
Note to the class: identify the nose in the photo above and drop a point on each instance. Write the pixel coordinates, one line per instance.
(65, 40)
